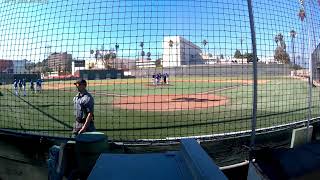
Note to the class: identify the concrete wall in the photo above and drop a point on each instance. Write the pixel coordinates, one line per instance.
(217, 70)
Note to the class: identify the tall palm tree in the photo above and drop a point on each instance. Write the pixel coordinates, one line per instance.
(142, 52)
(276, 39)
(170, 43)
(116, 55)
(280, 40)
(108, 59)
(148, 55)
(170, 50)
(141, 44)
(204, 43)
(96, 55)
(302, 14)
(280, 53)
(293, 34)
(92, 52)
(117, 47)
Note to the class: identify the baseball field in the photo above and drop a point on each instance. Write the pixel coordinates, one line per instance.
(131, 109)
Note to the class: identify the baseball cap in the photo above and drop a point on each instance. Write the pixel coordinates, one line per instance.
(80, 81)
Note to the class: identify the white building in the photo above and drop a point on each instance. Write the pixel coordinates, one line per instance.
(178, 51)
(209, 58)
(268, 60)
(94, 64)
(145, 64)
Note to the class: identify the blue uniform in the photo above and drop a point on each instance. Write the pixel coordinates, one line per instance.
(20, 84)
(24, 82)
(15, 85)
(38, 85)
(166, 78)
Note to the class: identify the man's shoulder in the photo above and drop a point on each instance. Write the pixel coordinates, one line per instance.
(88, 96)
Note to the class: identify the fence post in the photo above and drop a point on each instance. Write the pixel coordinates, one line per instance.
(310, 78)
(255, 88)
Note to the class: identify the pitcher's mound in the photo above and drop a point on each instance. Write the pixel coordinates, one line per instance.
(170, 102)
(157, 85)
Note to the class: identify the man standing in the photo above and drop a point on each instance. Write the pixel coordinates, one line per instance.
(32, 86)
(15, 86)
(20, 85)
(164, 78)
(83, 109)
(24, 87)
(38, 86)
(167, 78)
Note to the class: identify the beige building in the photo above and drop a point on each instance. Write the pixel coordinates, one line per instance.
(60, 61)
(117, 63)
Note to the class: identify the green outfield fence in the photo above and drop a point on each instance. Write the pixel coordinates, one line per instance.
(160, 70)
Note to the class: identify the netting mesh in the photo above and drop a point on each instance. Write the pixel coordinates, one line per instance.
(157, 69)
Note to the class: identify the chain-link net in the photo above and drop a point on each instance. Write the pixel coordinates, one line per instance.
(157, 70)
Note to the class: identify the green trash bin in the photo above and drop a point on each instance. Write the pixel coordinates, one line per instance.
(88, 148)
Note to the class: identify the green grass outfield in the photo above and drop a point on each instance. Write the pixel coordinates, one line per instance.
(281, 100)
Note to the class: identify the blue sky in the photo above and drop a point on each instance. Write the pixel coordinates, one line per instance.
(77, 26)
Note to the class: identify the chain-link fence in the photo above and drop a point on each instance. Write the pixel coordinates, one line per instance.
(158, 70)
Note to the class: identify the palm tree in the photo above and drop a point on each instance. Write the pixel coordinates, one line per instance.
(279, 39)
(117, 48)
(92, 52)
(108, 58)
(280, 53)
(204, 43)
(96, 55)
(142, 52)
(170, 43)
(276, 39)
(293, 34)
(302, 14)
(148, 55)
(141, 44)
(170, 50)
